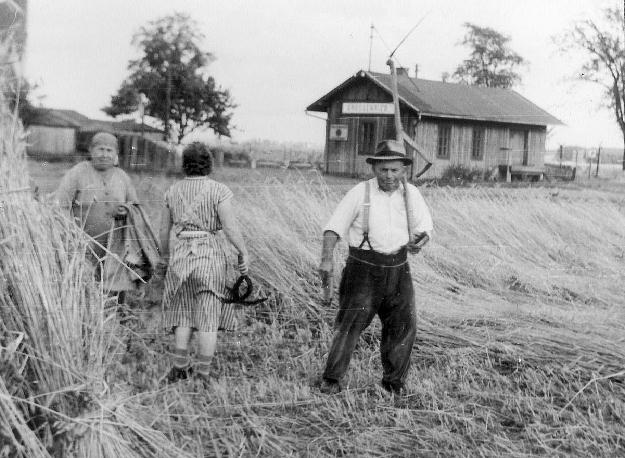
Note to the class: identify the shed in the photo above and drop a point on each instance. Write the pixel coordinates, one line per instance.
(52, 132)
(119, 128)
(62, 134)
(453, 124)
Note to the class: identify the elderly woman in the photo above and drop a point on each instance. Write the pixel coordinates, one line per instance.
(95, 190)
(200, 212)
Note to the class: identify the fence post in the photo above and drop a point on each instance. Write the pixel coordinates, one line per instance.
(219, 158)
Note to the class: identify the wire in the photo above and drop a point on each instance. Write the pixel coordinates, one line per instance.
(408, 34)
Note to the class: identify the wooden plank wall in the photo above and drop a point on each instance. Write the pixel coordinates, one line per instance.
(147, 155)
(496, 137)
(51, 141)
(342, 157)
(537, 139)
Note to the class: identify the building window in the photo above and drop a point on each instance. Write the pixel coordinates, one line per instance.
(367, 138)
(444, 141)
(477, 143)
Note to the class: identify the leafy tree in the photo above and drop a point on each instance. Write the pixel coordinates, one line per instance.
(172, 74)
(491, 62)
(604, 49)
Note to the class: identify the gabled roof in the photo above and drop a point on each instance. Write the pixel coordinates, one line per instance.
(53, 117)
(452, 100)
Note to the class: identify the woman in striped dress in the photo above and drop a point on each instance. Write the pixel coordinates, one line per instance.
(199, 210)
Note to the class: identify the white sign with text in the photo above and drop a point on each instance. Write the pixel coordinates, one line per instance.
(368, 108)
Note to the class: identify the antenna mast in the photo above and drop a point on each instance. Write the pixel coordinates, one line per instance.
(370, 46)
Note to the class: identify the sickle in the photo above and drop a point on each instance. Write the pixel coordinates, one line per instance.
(239, 298)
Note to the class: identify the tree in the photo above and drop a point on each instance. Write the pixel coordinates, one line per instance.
(604, 49)
(19, 95)
(491, 63)
(172, 74)
(15, 88)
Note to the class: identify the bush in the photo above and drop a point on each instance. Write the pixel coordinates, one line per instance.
(233, 154)
(460, 174)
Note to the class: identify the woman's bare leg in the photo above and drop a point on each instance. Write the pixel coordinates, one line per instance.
(207, 342)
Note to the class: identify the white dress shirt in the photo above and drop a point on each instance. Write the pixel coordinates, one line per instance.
(388, 224)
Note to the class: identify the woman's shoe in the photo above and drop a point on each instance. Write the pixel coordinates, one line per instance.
(179, 373)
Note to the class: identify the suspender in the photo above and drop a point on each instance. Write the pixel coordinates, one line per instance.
(365, 214)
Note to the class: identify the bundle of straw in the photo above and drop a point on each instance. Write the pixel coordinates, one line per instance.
(62, 406)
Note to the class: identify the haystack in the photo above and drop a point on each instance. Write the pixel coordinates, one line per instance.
(56, 338)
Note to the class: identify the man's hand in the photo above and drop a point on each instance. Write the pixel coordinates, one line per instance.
(418, 242)
(326, 273)
(326, 270)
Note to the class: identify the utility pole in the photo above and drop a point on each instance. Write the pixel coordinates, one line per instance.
(598, 160)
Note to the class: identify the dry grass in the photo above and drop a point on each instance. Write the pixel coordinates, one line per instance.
(520, 345)
(57, 339)
(520, 348)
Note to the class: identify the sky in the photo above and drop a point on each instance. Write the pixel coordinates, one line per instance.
(278, 56)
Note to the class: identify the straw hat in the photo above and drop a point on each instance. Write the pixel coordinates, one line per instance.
(389, 150)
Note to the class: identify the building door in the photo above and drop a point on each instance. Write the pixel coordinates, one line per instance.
(367, 137)
(518, 147)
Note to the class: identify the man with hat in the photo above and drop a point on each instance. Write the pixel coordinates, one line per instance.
(381, 219)
(95, 190)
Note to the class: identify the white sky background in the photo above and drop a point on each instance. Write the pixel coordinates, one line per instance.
(278, 56)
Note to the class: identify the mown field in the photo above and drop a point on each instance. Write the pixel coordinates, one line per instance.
(520, 351)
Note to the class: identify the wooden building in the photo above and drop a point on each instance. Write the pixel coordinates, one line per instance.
(480, 128)
(52, 133)
(65, 134)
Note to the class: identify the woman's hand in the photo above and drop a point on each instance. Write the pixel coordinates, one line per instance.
(161, 266)
(242, 261)
(121, 212)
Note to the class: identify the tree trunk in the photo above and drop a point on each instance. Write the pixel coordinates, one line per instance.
(621, 124)
(168, 103)
(623, 163)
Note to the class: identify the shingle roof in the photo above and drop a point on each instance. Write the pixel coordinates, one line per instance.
(53, 117)
(452, 100)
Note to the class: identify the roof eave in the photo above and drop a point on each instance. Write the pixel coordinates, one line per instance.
(321, 105)
(553, 122)
(390, 91)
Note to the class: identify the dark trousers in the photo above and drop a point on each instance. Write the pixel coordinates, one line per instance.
(373, 283)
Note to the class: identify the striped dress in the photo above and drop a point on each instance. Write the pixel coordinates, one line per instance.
(199, 271)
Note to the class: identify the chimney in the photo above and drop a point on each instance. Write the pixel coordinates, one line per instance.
(416, 70)
(402, 71)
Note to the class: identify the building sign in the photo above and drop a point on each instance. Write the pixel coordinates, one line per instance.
(338, 132)
(369, 108)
